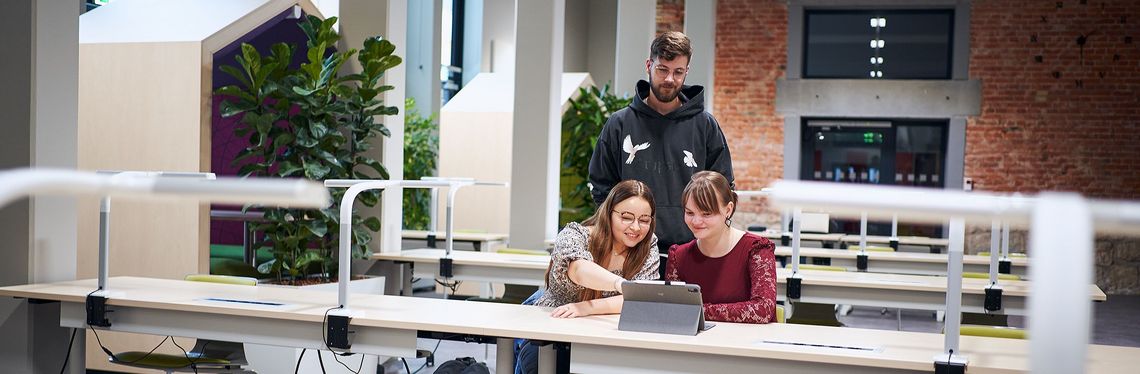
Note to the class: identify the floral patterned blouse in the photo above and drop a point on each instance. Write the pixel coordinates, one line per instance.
(571, 245)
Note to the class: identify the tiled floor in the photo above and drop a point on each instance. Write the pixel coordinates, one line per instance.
(1115, 324)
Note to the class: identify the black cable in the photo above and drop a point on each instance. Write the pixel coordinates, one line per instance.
(112, 355)
(406, 368)
(322, 361)
(299, 358)
(193, 362)
(67, 357)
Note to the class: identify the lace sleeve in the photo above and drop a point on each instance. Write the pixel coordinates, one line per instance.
(761, 305)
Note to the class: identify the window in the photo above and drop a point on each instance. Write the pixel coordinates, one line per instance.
(878, 44)
(881, 151)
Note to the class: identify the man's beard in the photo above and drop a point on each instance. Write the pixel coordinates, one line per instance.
(659, 93)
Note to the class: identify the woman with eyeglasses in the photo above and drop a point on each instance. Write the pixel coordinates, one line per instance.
(735, 269)
(591, 260)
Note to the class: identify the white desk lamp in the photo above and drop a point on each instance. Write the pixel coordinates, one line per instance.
(27, 182)
(356, 186)
(1061, 237)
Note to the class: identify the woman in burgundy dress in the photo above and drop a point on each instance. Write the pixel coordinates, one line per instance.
(735, 269)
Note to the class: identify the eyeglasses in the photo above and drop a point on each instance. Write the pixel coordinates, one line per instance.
(663, 72)
(627, 218)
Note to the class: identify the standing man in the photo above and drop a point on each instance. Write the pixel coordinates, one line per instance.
(662, 139)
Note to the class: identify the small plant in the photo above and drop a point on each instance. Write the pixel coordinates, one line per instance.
(421, 149)
(310, 122)
(581, 125)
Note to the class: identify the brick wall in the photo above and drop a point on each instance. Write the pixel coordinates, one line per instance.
(1042, 130)
(1035, 133)
(750, 56)
(670, 15)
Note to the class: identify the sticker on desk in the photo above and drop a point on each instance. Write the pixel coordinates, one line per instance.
(829, 347)
(244, 302)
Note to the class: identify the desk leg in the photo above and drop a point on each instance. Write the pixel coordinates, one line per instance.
(504, 356)
(554, 358)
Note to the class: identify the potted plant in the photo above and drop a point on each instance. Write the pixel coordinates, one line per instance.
(421, 149)
(581, 125)
(310, 122)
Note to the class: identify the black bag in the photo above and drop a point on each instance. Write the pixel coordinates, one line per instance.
(462, 365)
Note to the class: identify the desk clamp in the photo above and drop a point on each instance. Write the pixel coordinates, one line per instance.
(337, 334)
(1005, 266)
(794, 286)
(993, 298)
(97, 310)
(861, 261)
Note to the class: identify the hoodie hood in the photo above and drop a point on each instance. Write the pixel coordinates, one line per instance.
(692, 101)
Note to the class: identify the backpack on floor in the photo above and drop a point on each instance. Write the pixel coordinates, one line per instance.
(462, 365)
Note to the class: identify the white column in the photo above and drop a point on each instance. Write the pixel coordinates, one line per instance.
(700, 27)
(636, 28)
(537, 122)
(55, 135)
(1060, 242)
(423, 49)
(393, 158)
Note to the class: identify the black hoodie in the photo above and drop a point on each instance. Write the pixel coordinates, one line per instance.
(663, 151)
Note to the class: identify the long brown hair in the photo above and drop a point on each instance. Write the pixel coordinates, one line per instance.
(710, 192)
(601, 239)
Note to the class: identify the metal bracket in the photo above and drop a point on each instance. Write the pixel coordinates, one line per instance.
(941, 367)
(861, 262)
(785, 239)
(445, 267)
(895, 244)
(431, 240)
(337, 334)
(1005, 266)
(993, 299)
(793, 288)
(97, 311)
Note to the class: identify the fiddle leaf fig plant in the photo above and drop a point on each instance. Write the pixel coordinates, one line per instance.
(310, 121)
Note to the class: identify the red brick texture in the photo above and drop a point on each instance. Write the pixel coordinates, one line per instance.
(670, 15)
(751, 53)
(1037, 132)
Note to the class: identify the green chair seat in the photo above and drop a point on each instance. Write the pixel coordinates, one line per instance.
(519, 251)
(977, 275)
(231, 267)
(163, 361)
(223, 279)
(780, 314)
(992, 331)
(872, 248)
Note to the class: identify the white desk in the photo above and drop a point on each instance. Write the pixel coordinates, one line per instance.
(903, 262)
(850, 288)
(906, 291)
(481, 241)
(490, 267)
(828, 240)
(903, 240)
(388, 325)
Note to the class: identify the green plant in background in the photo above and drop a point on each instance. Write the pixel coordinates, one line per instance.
(421, 149)
(581, 125)
(314, 123)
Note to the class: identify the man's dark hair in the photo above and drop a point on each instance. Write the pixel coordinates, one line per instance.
(669, 45)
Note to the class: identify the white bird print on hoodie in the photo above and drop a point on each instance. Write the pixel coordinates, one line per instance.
(688, 159)
(628, 147)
